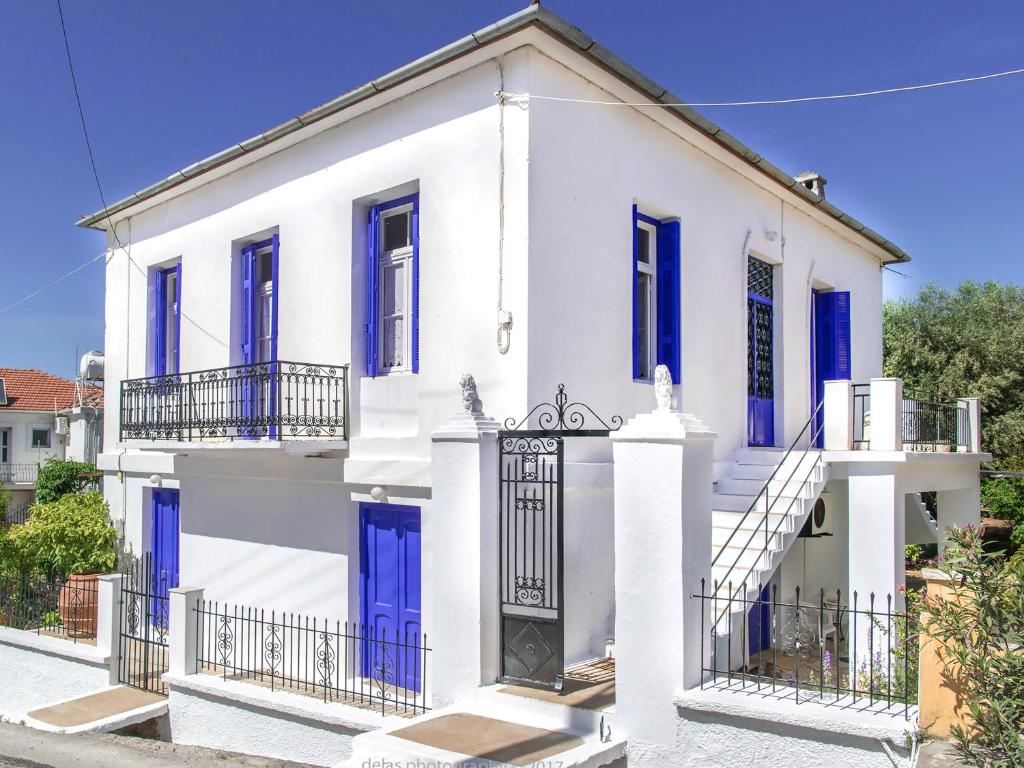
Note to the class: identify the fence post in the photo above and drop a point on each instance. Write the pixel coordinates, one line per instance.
(662, 476)
(973, 407)
(839, 415)
(108, 620)
(182, 634)
(886, 414)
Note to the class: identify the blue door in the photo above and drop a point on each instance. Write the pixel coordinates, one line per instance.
(389, 549)
(164, 549)
(760, 354)
(830, 353)
(258, 307)
(759, 622)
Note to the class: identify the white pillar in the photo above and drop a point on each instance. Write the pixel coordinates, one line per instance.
(108, 620)
(663, 481)
(959, 508)
(838, 415)
(886, 414)
(973, 407)
(460, 555)
(183, 630)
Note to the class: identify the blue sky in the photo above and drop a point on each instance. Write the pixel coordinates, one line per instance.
(165, 84)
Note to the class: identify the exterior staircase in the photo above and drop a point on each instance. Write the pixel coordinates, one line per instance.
(757, 513)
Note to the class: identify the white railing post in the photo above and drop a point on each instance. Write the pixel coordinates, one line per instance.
(839, 415)
(973, 407)
(886, 414)
(108, 620)
(183, 630)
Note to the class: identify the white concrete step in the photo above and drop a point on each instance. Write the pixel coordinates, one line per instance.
(752, 487)
(732, 518)
(722, 534)
(736, 502)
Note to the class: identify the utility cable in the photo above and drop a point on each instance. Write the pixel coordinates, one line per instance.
(60, 279)
(800, 100)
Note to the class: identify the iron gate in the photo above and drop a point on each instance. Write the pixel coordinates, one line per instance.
(530, 530)
(142, 639)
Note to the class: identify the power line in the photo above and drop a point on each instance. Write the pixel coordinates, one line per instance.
(85, 131)
(60, 279)
(763, 102)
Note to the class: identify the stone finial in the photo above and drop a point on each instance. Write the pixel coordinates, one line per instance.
(663, 387)
(470, 399)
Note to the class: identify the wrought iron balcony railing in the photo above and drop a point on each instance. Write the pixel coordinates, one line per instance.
(19, 473)
(279, 400)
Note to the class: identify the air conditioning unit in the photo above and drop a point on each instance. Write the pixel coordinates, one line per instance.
(819, 522)
(62, 425)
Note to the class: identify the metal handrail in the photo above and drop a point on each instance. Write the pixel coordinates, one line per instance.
(764, 492)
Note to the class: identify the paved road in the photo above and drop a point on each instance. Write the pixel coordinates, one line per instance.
(22, 747)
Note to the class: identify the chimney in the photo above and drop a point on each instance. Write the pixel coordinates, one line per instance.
(814, 181)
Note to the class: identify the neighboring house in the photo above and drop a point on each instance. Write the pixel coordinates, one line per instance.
(284, 341)
(44, 416)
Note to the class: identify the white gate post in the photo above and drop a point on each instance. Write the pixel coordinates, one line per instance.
(460, 553)
(183, 630)
(663, 486)
(838, 415)
(108, 620)
(887, 415)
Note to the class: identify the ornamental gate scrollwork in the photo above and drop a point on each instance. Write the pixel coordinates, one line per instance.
(531, 527)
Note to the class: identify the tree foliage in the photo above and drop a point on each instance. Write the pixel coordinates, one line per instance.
(979, 629)
(58, 477)
(964, 343)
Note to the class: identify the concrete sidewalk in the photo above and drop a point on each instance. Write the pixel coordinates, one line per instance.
(22, 747)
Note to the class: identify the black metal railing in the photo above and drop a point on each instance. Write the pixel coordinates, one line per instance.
(280, 400)
(16, 515)
(808, 461)
(928, 424)
(337, 661)
(143, 640)
(861, 416)
(824, 649)
(50, 605)
(23, 473)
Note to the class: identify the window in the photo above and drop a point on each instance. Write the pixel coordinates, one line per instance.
(165, 320)
(5, 446)
(656, 291)
(258, 301)
(392, 325)
(40, 437)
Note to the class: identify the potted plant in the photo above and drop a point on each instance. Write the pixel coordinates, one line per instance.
(72, 537)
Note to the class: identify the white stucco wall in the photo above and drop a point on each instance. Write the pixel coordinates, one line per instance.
(21, 424)
(37, 671)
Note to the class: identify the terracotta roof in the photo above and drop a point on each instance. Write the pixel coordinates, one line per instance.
(29, 389)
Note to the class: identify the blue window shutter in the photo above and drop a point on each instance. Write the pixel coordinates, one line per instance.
(636, 303)
(414, 320)
(275, 243)
(843, 363)
(159, 318)
(248, 299)
(373, 232)
(668, 321)
(177, 319)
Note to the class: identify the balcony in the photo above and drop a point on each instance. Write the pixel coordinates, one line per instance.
(18, 473)
(275, 401)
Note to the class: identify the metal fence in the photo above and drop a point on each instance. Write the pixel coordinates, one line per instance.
(337, 661)
(861, 416)
(50, 605)
(16, 515)
(22, 473)
(863, 651)
(931, 425)
(278, 400)
(144, 615)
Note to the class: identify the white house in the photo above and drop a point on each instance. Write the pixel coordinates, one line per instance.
(44, 416)
(286, 337)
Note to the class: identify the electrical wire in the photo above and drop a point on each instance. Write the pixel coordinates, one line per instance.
(763, 102)
(60, 279)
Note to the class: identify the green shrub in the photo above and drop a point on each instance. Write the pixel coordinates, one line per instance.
(5, 504)
(980, 631)
(58, 478)
(912, 554)
(70, 535)
(1003, 497)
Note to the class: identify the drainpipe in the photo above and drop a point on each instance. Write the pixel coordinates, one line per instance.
(504, 338)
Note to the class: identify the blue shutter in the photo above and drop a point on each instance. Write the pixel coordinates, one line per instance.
(159, 319)
(843, 363)
(177, 319)
(373, 232)
(414, 320)
(275, 243)
(636, 304)
(248, 299)
(668, 321)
